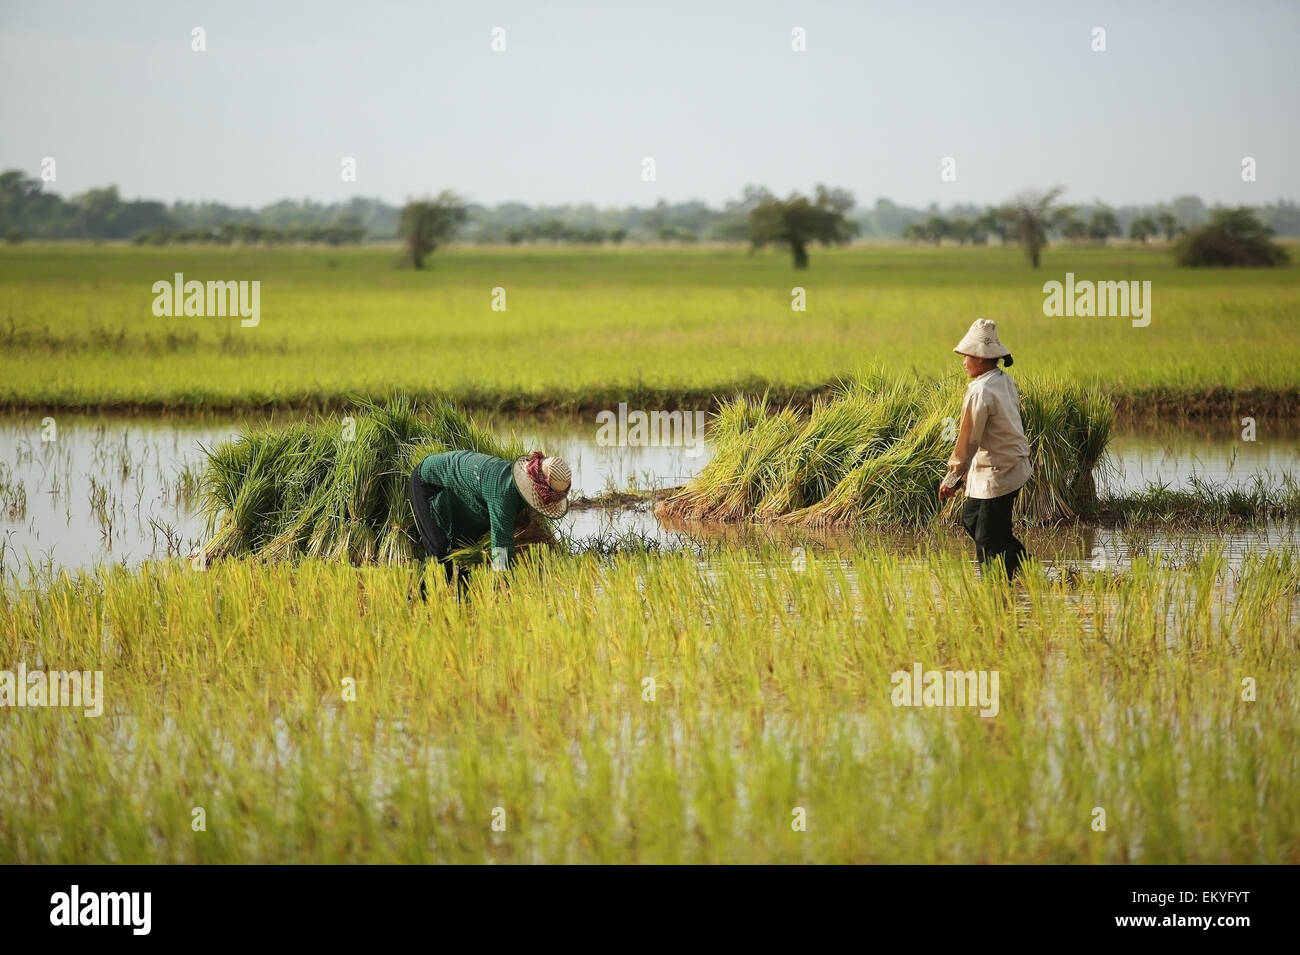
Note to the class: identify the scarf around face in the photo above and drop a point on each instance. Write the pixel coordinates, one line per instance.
(545, 493)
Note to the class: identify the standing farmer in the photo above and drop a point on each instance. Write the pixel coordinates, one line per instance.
(459, 496)
(992, 453)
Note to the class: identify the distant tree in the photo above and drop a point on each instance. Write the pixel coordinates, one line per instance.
(1190, 211)
(1072, 227)
(1103, 225)
(1028, 216)
(676, 234)
(427, 222)
(990, 223)
(1231, 237)
(936, 229)
(1168, 223)
(732, 230)
(1282, 217)
(961, 230)
(914, 232)
(1143, 228)
(797, 221)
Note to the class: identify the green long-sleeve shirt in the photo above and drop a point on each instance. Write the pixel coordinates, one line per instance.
(472, 494)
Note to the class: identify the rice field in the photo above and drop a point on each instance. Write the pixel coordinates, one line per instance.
(714, 697)
(587, 328)
(655, 709)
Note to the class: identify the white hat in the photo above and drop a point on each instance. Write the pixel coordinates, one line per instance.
(982, 341)
(558, 478)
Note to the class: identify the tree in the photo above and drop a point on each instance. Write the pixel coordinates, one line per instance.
(427, 222)
(1143, 228)
(1282, 217)
(1168, 223)
(1073, 228)
(1103, 225)
(1190, 211)
(1232, 237)
(936, 229)
(990, 223)
(797, 221)
(1028, 217)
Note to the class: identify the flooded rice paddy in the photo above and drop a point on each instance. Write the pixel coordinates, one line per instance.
(81, 490)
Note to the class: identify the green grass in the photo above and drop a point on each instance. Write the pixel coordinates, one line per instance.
(588, 328)
(224, 690)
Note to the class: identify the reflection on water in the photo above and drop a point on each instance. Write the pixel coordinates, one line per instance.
(1217, 454)
(122, 490)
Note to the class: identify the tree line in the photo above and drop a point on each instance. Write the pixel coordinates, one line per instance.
(829, 216)
(1030, 219)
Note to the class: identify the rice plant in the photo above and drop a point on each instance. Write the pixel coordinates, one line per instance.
(657, 327)
(314, 489)
(772, 690)
(876, 450)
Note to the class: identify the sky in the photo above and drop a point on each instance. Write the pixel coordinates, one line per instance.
(713, 92)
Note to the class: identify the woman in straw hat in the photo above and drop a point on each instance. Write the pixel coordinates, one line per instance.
(459, 496)
(992, 453)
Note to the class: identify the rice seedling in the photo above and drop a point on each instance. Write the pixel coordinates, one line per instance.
(1203, 502)
(316, 489)
(653, 708)
(875, 451)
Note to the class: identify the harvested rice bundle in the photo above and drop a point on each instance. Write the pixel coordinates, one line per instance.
(1068, 430)
(747, 438)
(861, 420)
(309, 490)
(896, 486)
(876, 451)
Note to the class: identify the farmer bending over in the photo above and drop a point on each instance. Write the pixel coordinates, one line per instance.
(459, 496)
(992, 453)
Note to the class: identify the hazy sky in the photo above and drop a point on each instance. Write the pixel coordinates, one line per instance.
(711, 90)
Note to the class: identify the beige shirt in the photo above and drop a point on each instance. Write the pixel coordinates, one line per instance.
(992, 452)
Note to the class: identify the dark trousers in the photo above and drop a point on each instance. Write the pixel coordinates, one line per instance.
(988, 522)
(432, 537)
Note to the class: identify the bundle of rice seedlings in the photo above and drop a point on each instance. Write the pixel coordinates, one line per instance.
(896, 486)
(748, 437)
(311, 490)
(876, 451)
(1068, 430)
(861, 420)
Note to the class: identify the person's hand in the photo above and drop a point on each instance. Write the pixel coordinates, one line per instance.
(946, 492)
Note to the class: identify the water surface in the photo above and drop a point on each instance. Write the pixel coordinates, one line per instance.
(96, 489)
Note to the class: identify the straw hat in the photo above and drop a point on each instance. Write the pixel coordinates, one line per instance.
(982, 341)
(557, 475)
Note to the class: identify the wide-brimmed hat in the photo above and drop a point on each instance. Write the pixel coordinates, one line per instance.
(982, 341)
(555, 480)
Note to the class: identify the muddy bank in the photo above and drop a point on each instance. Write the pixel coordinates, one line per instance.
(1135, 406)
